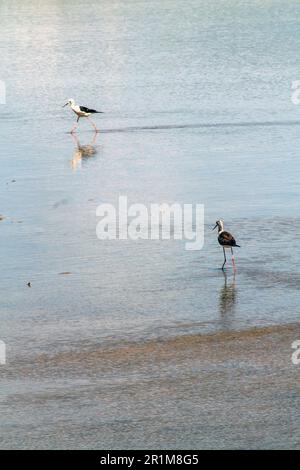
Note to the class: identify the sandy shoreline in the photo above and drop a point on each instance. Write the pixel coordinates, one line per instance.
(224, 390)
(262, 344)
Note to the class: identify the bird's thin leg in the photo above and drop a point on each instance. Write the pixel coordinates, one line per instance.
(94, 138)
(77, 143)
(224, 258)
(75, 125)
(74, 128)
(94, 125)
(233, 262)
(225, 279)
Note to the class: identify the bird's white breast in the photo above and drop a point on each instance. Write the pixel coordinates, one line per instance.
(78, 111)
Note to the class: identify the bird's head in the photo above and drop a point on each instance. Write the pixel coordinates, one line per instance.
(70, 102)
(219, 224)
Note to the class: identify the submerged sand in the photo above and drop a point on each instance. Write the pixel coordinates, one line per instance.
(224, 390)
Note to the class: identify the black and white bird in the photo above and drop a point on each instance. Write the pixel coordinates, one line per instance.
(81, 111)
(226, 240)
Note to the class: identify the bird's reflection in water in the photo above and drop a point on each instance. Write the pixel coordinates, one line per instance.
(83, 152)
(227, 300)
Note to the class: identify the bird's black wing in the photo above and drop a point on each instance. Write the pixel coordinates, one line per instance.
(88, 110)
(226, 239)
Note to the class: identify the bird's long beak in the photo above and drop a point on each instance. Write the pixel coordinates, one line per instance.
(65, 105)
(215, 226)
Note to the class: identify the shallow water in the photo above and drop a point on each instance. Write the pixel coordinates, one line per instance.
(197, 109)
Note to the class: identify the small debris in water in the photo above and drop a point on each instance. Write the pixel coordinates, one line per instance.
(2, 217)
(65, 272)
(60, 203)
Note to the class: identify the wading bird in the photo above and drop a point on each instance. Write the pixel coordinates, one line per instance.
(81, 111)
(226, 240)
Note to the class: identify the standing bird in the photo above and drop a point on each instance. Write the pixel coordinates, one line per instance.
(81, 111)
(226, 240)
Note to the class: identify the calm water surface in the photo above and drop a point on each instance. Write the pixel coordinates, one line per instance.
(197, 109)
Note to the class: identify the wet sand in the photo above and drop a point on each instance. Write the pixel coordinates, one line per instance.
(225, 390)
